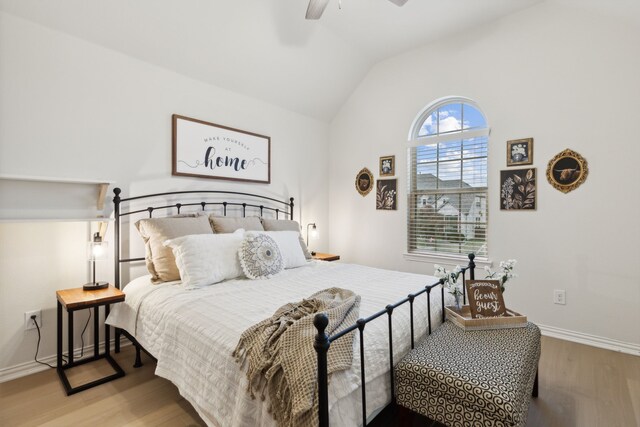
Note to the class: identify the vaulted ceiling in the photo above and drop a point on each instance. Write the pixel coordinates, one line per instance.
(265, 48)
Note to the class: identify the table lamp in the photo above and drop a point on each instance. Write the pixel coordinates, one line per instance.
(96, 249)
(314, 233)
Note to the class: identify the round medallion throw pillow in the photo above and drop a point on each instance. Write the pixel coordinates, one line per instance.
(260, 256)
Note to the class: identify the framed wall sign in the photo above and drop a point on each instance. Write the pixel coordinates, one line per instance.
(364, 181)
(387, 166)
(207, 150)
(520, 152)
(567, 171)
(387, 195)
(485, 298)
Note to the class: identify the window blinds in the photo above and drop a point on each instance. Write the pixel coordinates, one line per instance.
(447, 197)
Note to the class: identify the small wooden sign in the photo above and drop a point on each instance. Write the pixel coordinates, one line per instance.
(485, 298)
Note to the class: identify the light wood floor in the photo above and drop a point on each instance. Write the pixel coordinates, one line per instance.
(579, 386)
(585, 386)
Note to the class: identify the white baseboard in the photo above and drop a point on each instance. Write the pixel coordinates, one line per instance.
(31, 367)
(592, 340)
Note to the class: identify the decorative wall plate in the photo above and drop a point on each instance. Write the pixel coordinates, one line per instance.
(567, 171)
(364, 181)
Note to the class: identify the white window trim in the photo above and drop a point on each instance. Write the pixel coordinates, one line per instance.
(452, 260)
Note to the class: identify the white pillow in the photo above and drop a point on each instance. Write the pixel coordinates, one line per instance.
(286, 225)
(289, 244)
(205, 259)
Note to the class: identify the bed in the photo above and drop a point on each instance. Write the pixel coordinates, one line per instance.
(192, 333)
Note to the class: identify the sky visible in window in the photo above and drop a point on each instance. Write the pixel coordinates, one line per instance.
(452, 118)
(463, 160)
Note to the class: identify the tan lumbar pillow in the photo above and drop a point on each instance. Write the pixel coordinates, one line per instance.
(229, 224)
(155, 231)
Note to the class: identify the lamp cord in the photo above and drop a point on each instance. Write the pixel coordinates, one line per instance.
(82, 335)
(64, 361)
(64, 358)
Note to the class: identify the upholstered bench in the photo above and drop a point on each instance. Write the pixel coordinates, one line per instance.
(471, 378)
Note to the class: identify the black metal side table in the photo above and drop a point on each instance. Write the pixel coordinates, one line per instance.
(78, 299)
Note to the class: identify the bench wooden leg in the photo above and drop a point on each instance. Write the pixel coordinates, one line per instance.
(534, 393)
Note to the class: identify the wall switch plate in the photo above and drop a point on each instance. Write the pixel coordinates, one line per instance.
(28, 323)
(559, 297)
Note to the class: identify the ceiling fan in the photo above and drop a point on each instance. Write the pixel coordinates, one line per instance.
(317, 7)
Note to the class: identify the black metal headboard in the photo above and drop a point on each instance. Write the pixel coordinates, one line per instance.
(254, 201)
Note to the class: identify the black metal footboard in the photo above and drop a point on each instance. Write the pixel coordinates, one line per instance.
(323, 342)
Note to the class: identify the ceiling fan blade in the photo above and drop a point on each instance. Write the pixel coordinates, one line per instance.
(398, 2)
(315, 8)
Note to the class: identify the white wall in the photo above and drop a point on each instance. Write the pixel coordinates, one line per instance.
(72, 109)
(69, 108)
(567, 78)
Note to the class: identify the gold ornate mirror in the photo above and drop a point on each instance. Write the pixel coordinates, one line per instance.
(364, 181)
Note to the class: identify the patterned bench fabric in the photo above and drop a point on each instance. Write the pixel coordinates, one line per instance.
(479, 378)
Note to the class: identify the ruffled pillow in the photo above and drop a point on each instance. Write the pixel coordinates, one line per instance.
(260, 256)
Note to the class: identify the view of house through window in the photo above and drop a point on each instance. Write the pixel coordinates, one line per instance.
(448, 180)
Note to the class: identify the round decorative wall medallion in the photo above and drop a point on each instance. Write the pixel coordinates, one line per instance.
(567, 171)
(364, 181)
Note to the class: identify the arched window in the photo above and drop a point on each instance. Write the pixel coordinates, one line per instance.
(447, 195)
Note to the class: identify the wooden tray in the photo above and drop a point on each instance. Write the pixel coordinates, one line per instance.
(462, 318)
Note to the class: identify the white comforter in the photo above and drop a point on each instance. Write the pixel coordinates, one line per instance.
(192, 333)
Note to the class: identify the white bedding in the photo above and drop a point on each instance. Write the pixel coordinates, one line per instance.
(192, 333)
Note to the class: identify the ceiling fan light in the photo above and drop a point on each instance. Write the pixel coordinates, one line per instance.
(316, 8)
(398, 2)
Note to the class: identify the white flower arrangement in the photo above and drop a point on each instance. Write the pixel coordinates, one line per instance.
(504, 274)
(450, 279)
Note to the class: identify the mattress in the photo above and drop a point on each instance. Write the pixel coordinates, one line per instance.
(192, 334)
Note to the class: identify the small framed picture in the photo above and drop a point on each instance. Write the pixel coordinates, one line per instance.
(387, 195)
(520, 152)
(387, 166)
(518, 189)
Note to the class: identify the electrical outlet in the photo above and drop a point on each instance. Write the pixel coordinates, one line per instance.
(559, 297)
(28, 323)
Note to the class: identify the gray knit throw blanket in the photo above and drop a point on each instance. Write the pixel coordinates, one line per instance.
(281, 360)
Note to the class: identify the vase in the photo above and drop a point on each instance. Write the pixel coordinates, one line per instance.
(457, 297)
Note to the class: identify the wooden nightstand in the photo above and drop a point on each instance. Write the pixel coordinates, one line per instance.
(326, 257)
(79, 299)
